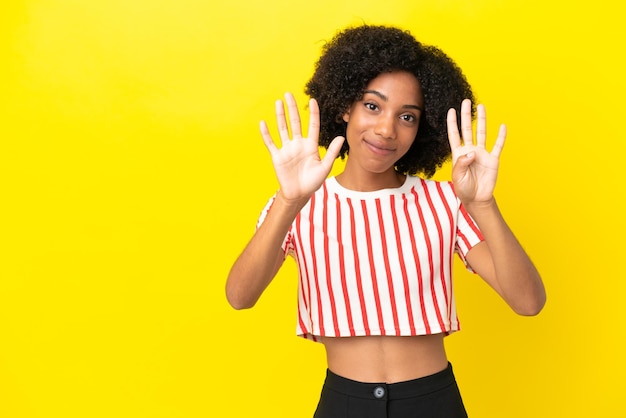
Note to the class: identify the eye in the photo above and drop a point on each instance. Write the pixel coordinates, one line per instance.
(370, 106)
(408, 118)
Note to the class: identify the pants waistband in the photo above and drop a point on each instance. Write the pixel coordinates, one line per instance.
(400, 390)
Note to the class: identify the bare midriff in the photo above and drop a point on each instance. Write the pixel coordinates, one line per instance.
(384, 358)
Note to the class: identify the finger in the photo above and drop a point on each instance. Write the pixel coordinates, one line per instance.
(460, 167)
(499, 145)
(481, 127)
(454, 138)
(267, 138)
(314, 120)
(333, 152)
(283, 129)
(466, 122)
(294, 116)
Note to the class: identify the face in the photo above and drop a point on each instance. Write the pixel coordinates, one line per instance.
(383, 124)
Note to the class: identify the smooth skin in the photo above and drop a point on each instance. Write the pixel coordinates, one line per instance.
(381, 128)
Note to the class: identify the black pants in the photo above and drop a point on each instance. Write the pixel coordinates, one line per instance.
(434, 396)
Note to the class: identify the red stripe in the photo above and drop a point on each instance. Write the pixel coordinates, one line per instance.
(470, 222)
(320, 317)
(446, 205)
(394, 308)
(405, 279)
(418, 266)
(472, 225)
(368, 239)
(342, 269)
(305, 284)
(430, 258)
(331, 295)
(431, 205)
(357, 271)
(450, 216)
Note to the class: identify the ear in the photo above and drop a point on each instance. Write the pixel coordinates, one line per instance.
(346, 116)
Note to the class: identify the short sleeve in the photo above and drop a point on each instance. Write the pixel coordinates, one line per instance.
(286, 245)
(468, 235)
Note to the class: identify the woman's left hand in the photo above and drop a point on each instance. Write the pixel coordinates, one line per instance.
(474, 169)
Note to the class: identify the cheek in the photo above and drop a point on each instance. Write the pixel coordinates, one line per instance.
(409, 136)
(407, 144)
(353, 130)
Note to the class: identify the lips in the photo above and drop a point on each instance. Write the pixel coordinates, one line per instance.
(378, 147)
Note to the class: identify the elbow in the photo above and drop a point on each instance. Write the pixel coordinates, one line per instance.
(532, 307)
(239, 305)
(529, 311)
(237, 301)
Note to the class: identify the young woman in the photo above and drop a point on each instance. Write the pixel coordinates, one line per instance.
(374, 245)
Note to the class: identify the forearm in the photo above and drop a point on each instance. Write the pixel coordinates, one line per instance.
(258, 263)
(513, 274)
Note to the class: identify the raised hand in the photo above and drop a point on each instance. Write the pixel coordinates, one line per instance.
(297, 163)
(474, 169)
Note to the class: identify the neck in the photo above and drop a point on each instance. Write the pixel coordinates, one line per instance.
(369, 182)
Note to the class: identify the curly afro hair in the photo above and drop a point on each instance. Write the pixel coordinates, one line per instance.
(357, 55)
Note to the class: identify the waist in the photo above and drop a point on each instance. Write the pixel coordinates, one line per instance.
(398, 390)
(385, 358)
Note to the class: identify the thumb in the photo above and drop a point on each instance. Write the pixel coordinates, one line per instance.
(333, 151)
(462, 163)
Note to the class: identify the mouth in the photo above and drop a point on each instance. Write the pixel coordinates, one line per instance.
(378, 147)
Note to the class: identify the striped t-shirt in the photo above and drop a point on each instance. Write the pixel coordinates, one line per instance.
(378, 263)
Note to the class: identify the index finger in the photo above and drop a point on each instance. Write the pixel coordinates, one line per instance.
(454, 138)
(466, 122)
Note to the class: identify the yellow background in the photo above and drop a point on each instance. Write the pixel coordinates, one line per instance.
(132, 173)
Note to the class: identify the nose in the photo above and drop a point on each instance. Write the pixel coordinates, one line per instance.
(385, 126)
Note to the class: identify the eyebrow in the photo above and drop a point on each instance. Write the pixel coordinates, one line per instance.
(385, 98)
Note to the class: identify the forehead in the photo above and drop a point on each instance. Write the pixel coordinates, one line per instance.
(397, 86)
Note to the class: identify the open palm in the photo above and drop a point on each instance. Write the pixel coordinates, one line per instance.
(297, 163)
(474, 169)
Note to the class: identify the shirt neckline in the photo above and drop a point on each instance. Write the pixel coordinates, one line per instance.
(333, 186)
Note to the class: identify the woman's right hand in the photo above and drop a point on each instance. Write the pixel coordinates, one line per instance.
(297, 163)
(300, 172)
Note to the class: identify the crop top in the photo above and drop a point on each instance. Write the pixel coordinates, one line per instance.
(378, 263)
